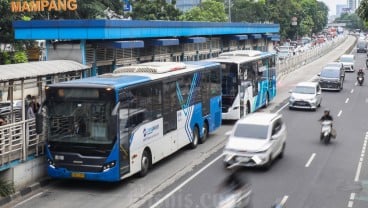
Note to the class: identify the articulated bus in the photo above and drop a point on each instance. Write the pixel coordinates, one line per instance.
(109, 127)
(248, 81)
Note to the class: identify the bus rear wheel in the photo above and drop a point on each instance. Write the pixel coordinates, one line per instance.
(205, 133)
(195, 140)
(145, 163)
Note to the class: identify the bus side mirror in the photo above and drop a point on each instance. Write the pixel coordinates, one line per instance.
(39, 123)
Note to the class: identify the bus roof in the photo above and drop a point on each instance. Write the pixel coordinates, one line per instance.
(131, 75)
(241, 56)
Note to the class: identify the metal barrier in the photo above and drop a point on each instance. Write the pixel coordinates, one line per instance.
(288, 65)
(16, 146)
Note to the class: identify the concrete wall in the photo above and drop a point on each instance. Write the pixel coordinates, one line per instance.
(29, 172)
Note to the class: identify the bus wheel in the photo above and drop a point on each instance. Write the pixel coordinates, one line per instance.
(267, 101)
(145, 163)
(247, 109)
(195, 140)
(205, 133)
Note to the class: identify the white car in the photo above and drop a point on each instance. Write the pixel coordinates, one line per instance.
(348, 61)
(306, 95)
(256, 140)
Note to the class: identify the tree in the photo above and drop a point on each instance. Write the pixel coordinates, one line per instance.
(87, 9)
(249, 11)
(362, 10)
(208, 10)
(353, 21)
(154, 10)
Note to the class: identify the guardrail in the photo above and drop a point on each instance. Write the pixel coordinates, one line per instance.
(19, 142)
(290, 64)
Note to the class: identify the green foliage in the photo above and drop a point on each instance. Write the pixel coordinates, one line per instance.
(208, 10)
(20, 57)
(6, 188)
(5, 58)
(154, 10)
(353, 21)
(362, 10)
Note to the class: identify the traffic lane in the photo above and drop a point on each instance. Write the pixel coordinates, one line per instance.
(196, 199)
(357, 116)
(341, 165)
(130, 192)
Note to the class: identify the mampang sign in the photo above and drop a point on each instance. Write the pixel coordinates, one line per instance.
(43, 5)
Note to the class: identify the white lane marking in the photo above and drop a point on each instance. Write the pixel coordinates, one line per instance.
(352, 90)
(347, 100)
(356, 83)
(284, 199)
(340, 112)
(185, 182)
(29, 199)
(282, 108)
(361, 159)
(357, 174)
(310, 160)
(352, 196)
(351, 200)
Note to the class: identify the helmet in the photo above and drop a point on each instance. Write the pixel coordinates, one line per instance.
(360, 70)
(327, 110)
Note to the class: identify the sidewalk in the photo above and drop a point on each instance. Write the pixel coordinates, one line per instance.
(307, 72)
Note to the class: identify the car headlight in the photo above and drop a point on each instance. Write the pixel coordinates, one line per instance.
(292, 99)
(313, 100)
(264, 149)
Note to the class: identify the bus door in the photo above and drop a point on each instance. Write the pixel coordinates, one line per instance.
(170, 108)
(244, 89)
(272, 77)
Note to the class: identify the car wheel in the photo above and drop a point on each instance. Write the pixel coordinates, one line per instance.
(145, 163)
(281, 155)
(205, 133)
(195, 140)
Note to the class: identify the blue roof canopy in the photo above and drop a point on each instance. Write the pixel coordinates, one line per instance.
(130, 29)
(121, 44)
(255, 36)
(239, 37)
(163, 42)
(194, 40)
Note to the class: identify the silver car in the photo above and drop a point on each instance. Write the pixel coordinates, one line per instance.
(306, 95)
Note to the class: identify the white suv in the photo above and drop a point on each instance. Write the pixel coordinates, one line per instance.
(256, 140)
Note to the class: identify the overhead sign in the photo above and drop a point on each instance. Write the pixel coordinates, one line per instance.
(43, 5)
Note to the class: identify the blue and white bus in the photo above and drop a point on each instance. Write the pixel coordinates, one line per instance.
(248, 81)
(109, 127)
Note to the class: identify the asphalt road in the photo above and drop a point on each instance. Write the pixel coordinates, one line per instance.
(328, 181)
(311, 174)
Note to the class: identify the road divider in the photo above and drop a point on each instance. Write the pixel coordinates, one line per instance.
(361, 159)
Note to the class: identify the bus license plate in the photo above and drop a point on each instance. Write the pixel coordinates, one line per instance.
(77, 175)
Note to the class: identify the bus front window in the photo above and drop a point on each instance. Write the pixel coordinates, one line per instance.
(84, 122)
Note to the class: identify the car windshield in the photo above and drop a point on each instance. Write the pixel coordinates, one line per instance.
(330, 73)
(346, 59)
(304, 90)
(253, 131)
(333, 64)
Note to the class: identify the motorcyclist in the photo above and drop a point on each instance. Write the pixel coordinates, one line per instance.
(326, 116)
(238, 185)
(360, 72)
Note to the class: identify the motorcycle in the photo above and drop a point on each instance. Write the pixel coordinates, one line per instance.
(326, 131)
(235, 191)
(233, 198)
(360, 79)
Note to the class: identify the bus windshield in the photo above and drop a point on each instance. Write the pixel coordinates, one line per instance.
(79, 121)
(229, 79)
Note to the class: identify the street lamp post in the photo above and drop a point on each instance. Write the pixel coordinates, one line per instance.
(229, 2)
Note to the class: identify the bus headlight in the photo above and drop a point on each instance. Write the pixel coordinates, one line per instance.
(51, 163)
(109, 165)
